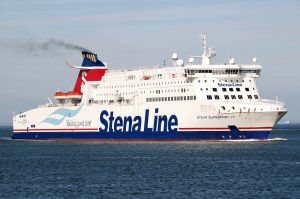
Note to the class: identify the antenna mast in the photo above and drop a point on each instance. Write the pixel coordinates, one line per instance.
(207, 52)
(204, 45)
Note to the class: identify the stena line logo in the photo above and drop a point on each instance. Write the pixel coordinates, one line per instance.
(118, 124)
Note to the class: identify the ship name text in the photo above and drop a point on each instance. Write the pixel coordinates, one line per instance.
(118, 124)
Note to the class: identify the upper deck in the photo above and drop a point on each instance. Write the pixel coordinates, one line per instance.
(197, 79)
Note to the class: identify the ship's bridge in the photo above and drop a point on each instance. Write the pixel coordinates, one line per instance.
(222, 71)
(200, 66)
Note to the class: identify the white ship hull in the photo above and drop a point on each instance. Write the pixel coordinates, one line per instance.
(84, 122)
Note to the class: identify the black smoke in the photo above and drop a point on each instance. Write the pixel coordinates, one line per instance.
(34, 48)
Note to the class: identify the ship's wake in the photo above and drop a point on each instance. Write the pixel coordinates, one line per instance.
(5, 139)
(257, 140)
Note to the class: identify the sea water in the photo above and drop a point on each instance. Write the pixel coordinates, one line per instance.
(205, 169)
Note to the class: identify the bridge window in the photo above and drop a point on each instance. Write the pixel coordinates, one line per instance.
(249, 96)
(217, 97)
(226, 97)
(238, 89)
(233, 97)
(214, 89)
(224, 89)
(231, 89)
(247, 89)
(209, 97)
(256, 96)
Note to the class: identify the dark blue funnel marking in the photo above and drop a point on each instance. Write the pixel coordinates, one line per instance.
(90, 59)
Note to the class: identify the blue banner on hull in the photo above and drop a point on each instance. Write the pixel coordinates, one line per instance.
(179, 135)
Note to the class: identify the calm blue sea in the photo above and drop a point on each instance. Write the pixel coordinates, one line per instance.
(57, 169)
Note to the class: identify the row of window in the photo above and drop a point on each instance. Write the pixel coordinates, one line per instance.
(250, 71)
(216, 71)
(226, 97)
(116, 94)
(158, 84)
(225, 80)
(231, 89)
(110, 101)
(145, 84)
(182, 90)
(223, 71)
(165, 99)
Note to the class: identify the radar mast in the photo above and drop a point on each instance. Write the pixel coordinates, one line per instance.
(207, 52)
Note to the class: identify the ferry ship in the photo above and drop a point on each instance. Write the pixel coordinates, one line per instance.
(195, 100)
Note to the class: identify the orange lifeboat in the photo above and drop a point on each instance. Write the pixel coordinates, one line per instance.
(60, 94)
(71, 94)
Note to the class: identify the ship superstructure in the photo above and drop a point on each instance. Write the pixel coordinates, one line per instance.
(185, 101)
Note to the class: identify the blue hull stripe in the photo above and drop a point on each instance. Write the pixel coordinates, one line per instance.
(180, 135)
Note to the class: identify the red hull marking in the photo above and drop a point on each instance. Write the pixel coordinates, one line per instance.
(94, 129)
(203, 128)
(130, 140)
(264, 127)
(87, 129)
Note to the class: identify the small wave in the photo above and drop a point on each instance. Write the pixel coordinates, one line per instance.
(22, 140)
(5, 139)
(277, 139)
(243, 140)
(256, 140)
(15, 140)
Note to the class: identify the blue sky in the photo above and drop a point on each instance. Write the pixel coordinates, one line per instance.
(129, 34)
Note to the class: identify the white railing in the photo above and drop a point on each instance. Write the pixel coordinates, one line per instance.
(274, 102)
